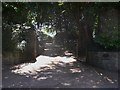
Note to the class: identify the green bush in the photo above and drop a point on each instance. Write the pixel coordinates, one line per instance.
(109, 39)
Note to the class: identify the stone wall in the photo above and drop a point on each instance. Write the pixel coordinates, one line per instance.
(105, 60)
(11, 58)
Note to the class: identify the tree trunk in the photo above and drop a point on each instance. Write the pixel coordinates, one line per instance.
(82, 45)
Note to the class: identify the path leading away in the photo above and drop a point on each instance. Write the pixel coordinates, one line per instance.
(57, 68)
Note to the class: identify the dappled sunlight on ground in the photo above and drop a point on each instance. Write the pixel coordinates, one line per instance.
(43, 63)
(67, 53)
(58, 72)
(57, 68)
(74, 70)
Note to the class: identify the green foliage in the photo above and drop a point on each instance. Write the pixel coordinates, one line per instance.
(59, 16)
(106, 29)
(60, 3)
(108, 40)
(8, 45)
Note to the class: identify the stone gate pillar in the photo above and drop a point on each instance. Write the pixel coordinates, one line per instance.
(30, 50)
